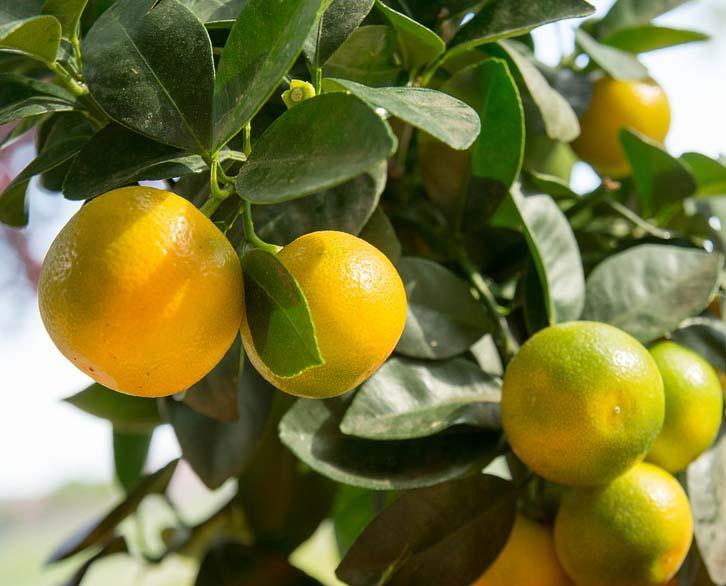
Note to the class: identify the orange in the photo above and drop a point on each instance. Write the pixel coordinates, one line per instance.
(617, 104)
(358, 306)
(582, 402)
(142, 292)
(694, 406)
(528, 559)
(635, 531)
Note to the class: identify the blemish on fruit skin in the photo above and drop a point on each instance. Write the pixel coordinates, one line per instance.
(617, 410)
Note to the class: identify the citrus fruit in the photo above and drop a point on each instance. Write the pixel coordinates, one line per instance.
(639, 105)
(528, 558)
(694, 406)
(142, 292)
(582, 402)
(635, 531)
(358, 306)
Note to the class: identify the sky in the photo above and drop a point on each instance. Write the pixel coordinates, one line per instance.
(45, 443)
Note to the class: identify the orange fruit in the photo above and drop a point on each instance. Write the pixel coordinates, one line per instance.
(582, 402)
(635, 531)
(142, 292)
(358, 306)
(528, 558)
(694, 406)
(639, 105)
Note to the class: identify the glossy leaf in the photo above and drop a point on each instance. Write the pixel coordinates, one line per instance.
(129, 456)
(68, 13)
(335, 25)
(215, 12)
(368, 56)
(648, 290)
(128, 414)
(443, 318)
(615, 62)
(117, 156)
(417, 44)
(660, 178)
(407, 399)
(24, 29)
(278, 316)
(343, 138)
(440, 115)
(353, 510)
(627, 13)
(23, 97)
(263, 44)
(705, 335)
(709, 173)
(641, 39)
(446, 534)
(138, 69)
(379, 232)
(311, 430)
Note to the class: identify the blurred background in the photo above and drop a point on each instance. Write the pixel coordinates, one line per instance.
(56, 468)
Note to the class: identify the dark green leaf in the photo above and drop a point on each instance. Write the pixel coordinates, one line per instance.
(640, 39)
(215, 12)
(13, 205)
(550, 184)
(311, 430)
(353, 510)
(705, 335)
(61, 128)
(24, 29)
(23, 97)
(446, 534)
(219, 450)
(337, 23)
(709, 214)
(129, 456)
(649, 290)
(343, 138)
(139, 66)
(345, 208)
(660, 178)
(264, 43)
(278, 316)
(127, 414)
(68, 13)
(379, 232)
(368, 56)
(443, 317)
(407, 399)
(417, 44)
(710, 174)
(615, 62)
(440, 115)
(101, 531)
(627, 13)
(20, 130)
(117, 156)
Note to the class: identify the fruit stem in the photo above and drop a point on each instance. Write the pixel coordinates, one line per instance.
(217, 194)
(252, 236)
(248, 139)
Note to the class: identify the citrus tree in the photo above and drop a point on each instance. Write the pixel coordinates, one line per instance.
(366, 212)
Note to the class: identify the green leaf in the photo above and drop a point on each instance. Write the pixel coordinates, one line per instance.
(219, 450)
(345, 208)
(60, 129)
(102, 531)
(660, 178)
(379, 232)
(443, 318)
(440, 115)
(129, 456)
(417, 44)
(117, 156)
(24, 29)
(368, 56)
(353, 510)
(500, 19)
(343, 138)
(278, 316)
(335, 25)
(706, 483)
(560, 120)
(128, 414)
(709, 214)
(432, 535)
(139, 68)
(628, 13)
(68, 13)
(408, 399)
(263, 44)
(616, 63)
(705, 335)
(644, 38)
(648, 290)
(20, 130)
(215, 13)
(710, 174)
(23, 97)
(551, 185)
(311, 430)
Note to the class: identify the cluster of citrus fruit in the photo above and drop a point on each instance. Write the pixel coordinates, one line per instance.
(145, 294)
(583, 405)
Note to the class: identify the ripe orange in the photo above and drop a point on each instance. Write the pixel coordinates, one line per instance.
(358, 305)
(582, 402)
(635, 531)
(142, 292)
(617, 104)
(528, 559)
(694, 406)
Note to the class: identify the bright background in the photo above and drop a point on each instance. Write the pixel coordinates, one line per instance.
(46, 444)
